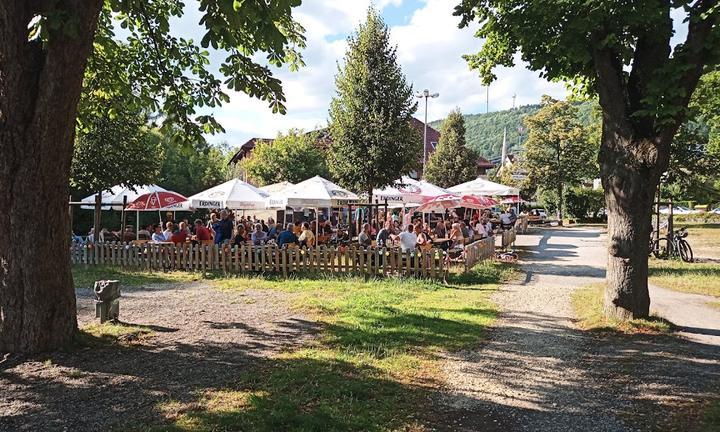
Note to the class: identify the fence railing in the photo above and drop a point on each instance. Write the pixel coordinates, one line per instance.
(508, 237)
(477, 251)
(257, 259)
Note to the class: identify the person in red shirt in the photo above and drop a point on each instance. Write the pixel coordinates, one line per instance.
(201, 233)
(179, 236)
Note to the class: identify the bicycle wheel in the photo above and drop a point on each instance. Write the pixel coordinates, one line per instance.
(686, 253)
(661, 248)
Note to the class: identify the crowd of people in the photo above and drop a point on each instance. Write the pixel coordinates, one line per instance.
(223, 227)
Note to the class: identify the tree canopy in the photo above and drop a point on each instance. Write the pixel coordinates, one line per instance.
(294, 157)
(374, 142)
(558, 153)
(452, 162)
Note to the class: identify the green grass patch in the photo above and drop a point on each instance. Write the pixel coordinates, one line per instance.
(374, 366)
(85, 277)
(711, 417)
(110, 333)
(697, 278)
(588, 305)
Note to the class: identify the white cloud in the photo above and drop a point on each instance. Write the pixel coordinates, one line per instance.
(430, 47)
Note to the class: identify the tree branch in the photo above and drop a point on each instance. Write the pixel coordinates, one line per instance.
(610, 85)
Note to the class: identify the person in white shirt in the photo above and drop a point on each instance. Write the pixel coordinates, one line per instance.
(158, 236)
(488, 227)
(408, 239)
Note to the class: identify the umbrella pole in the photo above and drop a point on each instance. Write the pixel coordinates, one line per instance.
(137, 224)
(317, 225)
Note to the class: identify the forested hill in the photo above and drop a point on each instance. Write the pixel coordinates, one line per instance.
(485, 131)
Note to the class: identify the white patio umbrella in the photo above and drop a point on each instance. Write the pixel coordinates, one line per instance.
(114, 197)
(480, 186)
(234, 194)
(277, 187)
(315, 193)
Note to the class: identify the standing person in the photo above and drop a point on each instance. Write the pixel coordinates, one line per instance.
(408, 239)
(365, 238)
(223, 228)
(201, 232)
(287, 237)
(307, 238)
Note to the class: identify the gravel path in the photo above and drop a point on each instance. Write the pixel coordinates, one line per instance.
(203, 338)
(538, 372)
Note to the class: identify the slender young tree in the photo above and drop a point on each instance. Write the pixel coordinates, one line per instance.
(621, 52)
(373, 141)
(557, 153)
(452, 162)
(44, 50)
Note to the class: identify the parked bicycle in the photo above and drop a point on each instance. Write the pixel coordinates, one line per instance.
(672, 245)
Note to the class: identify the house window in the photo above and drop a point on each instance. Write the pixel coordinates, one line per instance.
(433, 144)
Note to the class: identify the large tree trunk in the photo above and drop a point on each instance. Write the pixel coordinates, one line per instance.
(629, 185)
(40, 85)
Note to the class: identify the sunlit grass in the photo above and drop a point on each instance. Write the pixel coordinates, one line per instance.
(697, 278)
(110, 333)
(85, 277)
(374, 366)
(588, 305)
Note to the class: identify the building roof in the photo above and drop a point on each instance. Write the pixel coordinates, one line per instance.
(433, 136)
(484, 163)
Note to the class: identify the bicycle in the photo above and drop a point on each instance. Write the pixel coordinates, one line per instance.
(672, 245)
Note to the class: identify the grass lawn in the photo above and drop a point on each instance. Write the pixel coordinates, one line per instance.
(374, 366)
(588, 305)
(704, 239)
(698, 278)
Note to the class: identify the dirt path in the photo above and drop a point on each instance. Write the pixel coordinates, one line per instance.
(537, 371)
(203, 339)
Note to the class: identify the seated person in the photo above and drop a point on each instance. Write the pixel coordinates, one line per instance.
(423, 239)
(158, 236)
(259, 237)
(456, 234)
(169, 229)
(145, 233)
(180, 235)
(202, 233)
(383, 236)
(297, 228)
(239, 238)
(408, 239)
(287, 237)
(365, 236)
(306, 238)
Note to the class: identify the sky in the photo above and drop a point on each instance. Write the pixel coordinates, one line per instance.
(429, 45)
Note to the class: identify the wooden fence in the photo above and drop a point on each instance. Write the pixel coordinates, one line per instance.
(477, 251)
(262, 259)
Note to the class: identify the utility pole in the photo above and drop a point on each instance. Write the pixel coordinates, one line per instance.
(487, 99)
(426, 95)
(514, 96)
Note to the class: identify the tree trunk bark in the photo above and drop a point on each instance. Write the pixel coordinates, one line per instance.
(560, 204)
(40, 86)
(629, 185)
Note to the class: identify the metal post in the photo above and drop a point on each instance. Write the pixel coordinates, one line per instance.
(425, 138)
(123, 219)
(97, 220)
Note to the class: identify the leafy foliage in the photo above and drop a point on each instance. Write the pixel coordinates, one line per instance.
(292, 157)
(558, 153)
(115, 150)
(452, 162)
(373, 140)
(191, 169)
(585, 203)
(137, 63)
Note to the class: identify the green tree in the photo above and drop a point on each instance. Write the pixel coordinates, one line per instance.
(191, 169)
(294, 157)
(49, 52)
(111, 151)
(374, 142)
(452, 162)
(557, 151)
(621, 52)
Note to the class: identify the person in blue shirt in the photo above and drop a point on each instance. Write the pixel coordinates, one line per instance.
(287, 236)
(223, 228)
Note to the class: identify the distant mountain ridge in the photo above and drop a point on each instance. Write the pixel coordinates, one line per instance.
(484, 132)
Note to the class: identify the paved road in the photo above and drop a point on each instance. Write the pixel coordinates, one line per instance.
(537, 371)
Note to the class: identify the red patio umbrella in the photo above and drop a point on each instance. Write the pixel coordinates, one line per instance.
(156, 201)
(448, 201)
(511, 200)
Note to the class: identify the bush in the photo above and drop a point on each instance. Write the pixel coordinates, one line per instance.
(583, 203)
